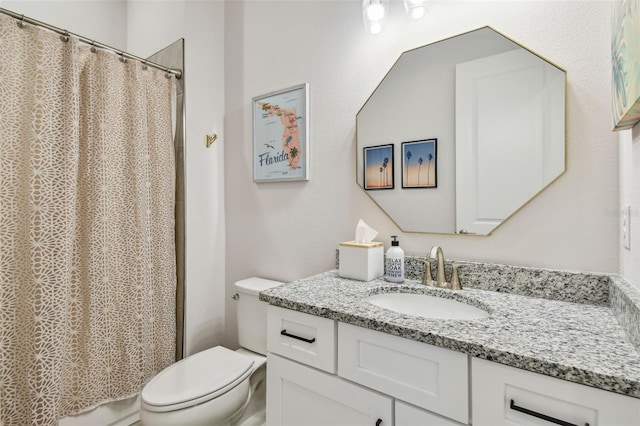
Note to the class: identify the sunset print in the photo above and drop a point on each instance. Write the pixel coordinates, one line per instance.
(419, 164)
(378, 167)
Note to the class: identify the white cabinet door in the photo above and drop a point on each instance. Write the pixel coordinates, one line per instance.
(409, 415)
(503, 395)
(302, 396)
(429, 377)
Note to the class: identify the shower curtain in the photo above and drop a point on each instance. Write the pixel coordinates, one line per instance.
(87, 257)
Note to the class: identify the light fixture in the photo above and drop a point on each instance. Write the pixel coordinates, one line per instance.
(374, 13)
(415, 8)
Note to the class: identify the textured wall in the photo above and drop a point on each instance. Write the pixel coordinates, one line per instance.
(287, 231)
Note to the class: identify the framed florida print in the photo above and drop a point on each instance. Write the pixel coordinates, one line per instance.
(419, 164)
(378, 167)
(281, 135)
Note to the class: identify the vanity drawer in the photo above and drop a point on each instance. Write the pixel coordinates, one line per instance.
(302, 337)
(496, 385)
(429, 377)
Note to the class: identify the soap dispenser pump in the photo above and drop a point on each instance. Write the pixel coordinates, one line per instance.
(394, 264)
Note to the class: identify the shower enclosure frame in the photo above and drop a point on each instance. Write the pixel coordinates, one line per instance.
(172, 57)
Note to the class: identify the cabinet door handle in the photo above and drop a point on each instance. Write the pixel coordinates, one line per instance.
(293, 336)
(378, 422)
(550, 419)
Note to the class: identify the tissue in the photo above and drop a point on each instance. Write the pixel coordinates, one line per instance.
(364, 233)
(363, 258)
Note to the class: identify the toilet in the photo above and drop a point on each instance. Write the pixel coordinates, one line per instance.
(217, 386)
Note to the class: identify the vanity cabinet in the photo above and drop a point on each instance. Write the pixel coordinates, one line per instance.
(322, 372)
(503, 395)
(377, 374)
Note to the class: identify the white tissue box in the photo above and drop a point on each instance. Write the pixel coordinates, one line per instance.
(364, 262)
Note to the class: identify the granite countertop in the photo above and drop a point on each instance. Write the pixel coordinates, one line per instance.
(581, 343)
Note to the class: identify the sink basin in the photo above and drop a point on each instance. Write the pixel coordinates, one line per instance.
(423, 305)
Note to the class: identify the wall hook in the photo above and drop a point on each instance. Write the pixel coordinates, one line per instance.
(210, 139)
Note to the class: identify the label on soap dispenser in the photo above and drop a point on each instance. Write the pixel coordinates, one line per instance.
(394, 267)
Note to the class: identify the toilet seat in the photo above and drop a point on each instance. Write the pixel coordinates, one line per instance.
(196, 379)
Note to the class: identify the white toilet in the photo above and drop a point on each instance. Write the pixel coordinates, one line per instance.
(217, 386)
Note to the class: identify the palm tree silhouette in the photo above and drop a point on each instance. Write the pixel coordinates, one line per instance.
(386, 176)
(419, 166)
(293, 152)
(381, 184)
(429, 168)
(408, 155)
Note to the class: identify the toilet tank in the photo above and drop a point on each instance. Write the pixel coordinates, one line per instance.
(252, 313)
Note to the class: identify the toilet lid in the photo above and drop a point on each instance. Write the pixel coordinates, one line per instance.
(197, 378)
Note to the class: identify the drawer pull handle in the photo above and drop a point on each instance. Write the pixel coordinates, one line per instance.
(293, 336)
(550, 419)
(378, 422)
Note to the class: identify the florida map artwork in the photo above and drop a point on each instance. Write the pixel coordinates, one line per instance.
(280, 135)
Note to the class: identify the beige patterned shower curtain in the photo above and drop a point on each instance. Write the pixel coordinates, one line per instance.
(87, 259)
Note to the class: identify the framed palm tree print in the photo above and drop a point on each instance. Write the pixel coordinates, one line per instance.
(625, 72)
(419, 164)
(378, 167)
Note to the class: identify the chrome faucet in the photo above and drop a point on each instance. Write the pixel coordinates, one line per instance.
(440, 281)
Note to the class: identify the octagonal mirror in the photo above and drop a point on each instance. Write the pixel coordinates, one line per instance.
(462, 133)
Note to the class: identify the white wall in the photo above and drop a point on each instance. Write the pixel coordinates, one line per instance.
(287, 231)
(102, 20)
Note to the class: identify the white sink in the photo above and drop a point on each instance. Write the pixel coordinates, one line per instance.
(422, 305)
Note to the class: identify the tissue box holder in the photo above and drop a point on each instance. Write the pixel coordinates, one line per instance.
(364, 262)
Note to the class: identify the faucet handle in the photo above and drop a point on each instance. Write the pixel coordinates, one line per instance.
(427, 279)
(455, 280)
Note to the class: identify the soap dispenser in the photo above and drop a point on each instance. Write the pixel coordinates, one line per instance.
(394, 264)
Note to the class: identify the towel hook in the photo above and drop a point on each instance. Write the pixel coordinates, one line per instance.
(210, 139)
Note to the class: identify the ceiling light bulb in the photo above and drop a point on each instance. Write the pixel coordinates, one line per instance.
(415, 8)
(417, 12)
(375, 28)
(375, 12)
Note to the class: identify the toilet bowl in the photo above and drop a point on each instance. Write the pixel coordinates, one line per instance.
(217, 385)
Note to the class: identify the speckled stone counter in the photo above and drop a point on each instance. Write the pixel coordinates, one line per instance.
(579, 342)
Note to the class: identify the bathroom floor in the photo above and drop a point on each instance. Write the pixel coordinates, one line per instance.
(257, 419)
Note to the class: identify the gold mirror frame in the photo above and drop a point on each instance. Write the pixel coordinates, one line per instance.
(403, 201)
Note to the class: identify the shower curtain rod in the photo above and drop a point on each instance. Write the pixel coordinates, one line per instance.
(64, 34)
